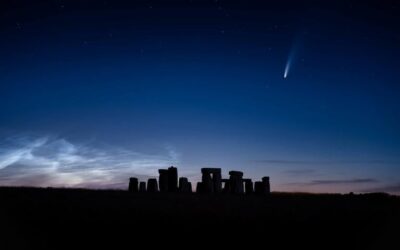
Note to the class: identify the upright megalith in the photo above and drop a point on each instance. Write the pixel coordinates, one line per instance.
(152, 185)
(168, 179)
(236, 182)
(248, 184)
(142, 187)
(217, 180)
(199, 188)
(207, 182)
(184, 185)
(190, 189)
(258, 187)
(211, 180)
(133, 185)
(163, 180)
(266, 185)
(263, 187)
(172, 179)
(227, 188)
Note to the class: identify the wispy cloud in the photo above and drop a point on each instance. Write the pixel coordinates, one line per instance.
(325, 162)
(49, 161)
(299, 171)
(392, 188)
(337, 182)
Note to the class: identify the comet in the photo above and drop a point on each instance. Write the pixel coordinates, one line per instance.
(287, 67)
(292, 55)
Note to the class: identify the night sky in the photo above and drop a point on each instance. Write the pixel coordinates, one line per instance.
(306, 92)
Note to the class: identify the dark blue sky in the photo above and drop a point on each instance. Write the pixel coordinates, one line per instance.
(92, 92)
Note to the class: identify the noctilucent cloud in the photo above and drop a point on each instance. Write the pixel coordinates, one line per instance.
(94, 92)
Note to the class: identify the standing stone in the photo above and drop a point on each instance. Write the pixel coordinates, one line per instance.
(226, 188)
(190, 190)
(258, 186)
(152, 185)
(236, 182)
(133, 185)
(163, 180)
(183, 185)
(248, 186)
(211, 180)
(172, 179)
(207, 183)
(266, 185)
(217, 181)
(142, 187)
(199, 188)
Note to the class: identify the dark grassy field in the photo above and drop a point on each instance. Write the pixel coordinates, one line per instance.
(54, 218)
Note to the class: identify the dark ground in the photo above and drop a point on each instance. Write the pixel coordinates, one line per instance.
(72, 218)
